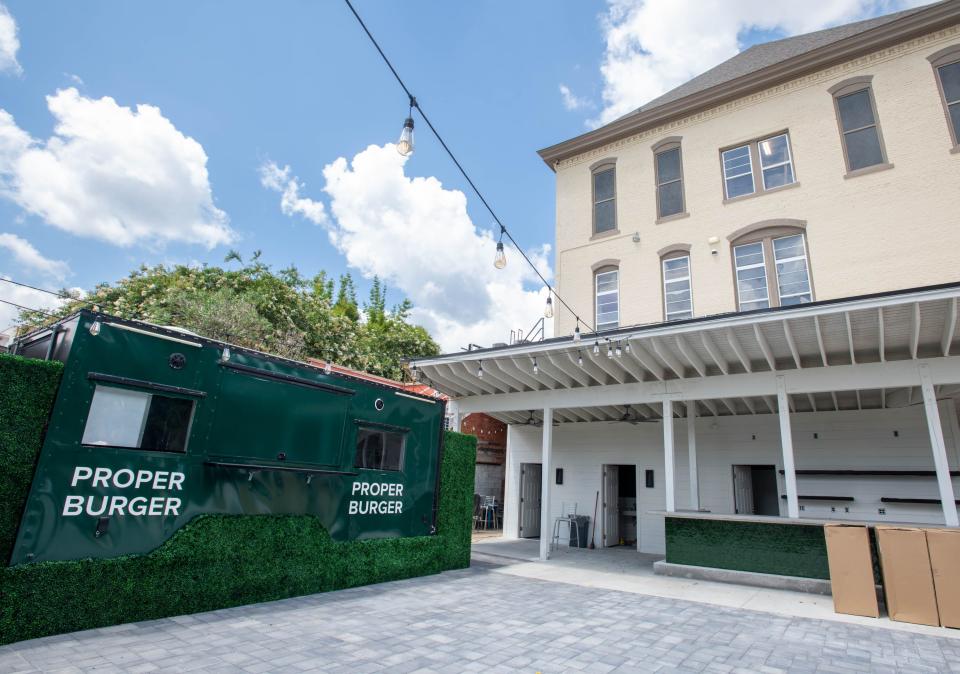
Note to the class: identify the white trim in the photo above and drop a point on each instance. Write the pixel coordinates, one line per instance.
(417, 398)
(786, 446)
(726, 177)
(153, 334)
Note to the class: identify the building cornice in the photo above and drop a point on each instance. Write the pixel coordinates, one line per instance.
(910, 28)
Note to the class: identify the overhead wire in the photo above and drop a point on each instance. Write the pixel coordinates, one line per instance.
(414, 104)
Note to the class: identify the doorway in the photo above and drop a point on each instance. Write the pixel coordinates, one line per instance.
(530, 487)
(755, 490)
(619, 514)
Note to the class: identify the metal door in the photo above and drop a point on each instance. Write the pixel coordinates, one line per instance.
(530, 487)
(743, 490)
(611, 514)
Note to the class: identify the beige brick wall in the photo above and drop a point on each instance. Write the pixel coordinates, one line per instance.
(897, 228)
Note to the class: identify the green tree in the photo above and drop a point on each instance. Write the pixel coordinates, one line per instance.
(282, 312)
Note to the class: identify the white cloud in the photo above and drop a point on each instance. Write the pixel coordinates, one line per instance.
(9, 43)
(28, 256)
(113, 173)
(572, 101)
(76, 79)
(417, 236)
(25, 297)
(291, 203)
(655, 45)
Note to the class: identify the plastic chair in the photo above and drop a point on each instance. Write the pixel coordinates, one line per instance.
(569, 517)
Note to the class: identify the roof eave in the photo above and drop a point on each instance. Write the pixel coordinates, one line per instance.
(925, 21)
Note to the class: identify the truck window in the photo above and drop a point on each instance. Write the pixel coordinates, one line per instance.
(380, 450)
(137, 420)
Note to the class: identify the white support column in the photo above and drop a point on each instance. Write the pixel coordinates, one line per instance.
(939, 448)
(456, 416)
(786, 444)
(546, 470)
(668, 463)
(692, 454)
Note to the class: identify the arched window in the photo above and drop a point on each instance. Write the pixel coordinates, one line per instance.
(946, 67)
(606, 287)
(668, 171)
(677, 282)
(771, 265)
(604, 177)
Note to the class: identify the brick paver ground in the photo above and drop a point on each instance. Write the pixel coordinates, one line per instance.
(478, 620)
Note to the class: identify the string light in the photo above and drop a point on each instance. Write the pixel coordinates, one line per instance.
(548, 310)
(626, 347)
(609, 350)
(596, 348)
(500, 259)
(576, 332)
(536, 369)
(480, 369)
(618, 351)
(579, 358)
(405, 144)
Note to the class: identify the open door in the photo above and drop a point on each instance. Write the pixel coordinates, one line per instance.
(743, 490)
(530, 486)
(611, 495)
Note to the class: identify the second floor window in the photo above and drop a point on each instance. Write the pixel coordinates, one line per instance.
(771, 155)
(948, 75)
(859, 129)
(677, 297)
(779, 262)
(604, 200)
(669, 182)
(607, 286)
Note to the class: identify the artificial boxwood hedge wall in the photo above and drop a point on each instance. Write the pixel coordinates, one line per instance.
(217, 560)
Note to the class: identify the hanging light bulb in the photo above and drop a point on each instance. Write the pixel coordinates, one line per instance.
(579, 359)
(618, 351)
(327, 368)
(405, 144)
(548, 310)
(536, 369)
(480, 369)
(596, 348)
(576, 332)
(609, 350)
(626, 347)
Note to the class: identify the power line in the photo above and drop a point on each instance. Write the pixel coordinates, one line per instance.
(49, 292)
(503, 229)
(23, 308)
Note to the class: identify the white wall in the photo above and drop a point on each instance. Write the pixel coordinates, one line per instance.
(846, 440)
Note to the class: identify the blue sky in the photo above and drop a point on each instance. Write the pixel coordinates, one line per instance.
(297, 84)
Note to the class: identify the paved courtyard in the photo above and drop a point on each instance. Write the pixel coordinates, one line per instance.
(485, 621)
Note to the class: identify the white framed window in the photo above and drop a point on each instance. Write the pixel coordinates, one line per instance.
(738, 171)
(677, 292)
(793, 273)
(121, 417)
(607, 292)
(604, 200)
(751, 270)
(776, 163)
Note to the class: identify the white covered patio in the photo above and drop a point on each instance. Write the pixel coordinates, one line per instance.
(823, 376)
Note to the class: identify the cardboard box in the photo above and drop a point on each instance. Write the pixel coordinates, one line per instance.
(907, 578)
(851, 569)
(944, 548)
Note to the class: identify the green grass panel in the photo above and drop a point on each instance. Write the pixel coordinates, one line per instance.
(216, 561)
(27, 391)
(784, 549)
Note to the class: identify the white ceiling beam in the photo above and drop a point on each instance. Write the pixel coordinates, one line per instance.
(642, 356)
(713, 352)
(711, 406)
(662, 351)
(549, 380)
(791, 343)
(846, 319)
(915, 321)
(859, 401)
(605, 363)
(561, 376)
(738, 349)
(631, 365)
(943, 370)
(836, 403)
(730, 408)
(770, 403)
(764, 346)
(823, 350)
(881, 346)
(567, 363)
(813, 401)
(883, 398)
(491, 378)
(494, 366)
(749, 405)
(949, 327)
(436, 379)
(583, 362)
(509, 367)
(691, 356)
(469, 385)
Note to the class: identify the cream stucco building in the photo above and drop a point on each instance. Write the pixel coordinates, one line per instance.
(762, 266)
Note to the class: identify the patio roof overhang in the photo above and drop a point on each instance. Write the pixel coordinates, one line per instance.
(851, 353)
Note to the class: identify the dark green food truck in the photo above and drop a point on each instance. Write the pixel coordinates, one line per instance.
(154, 426)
